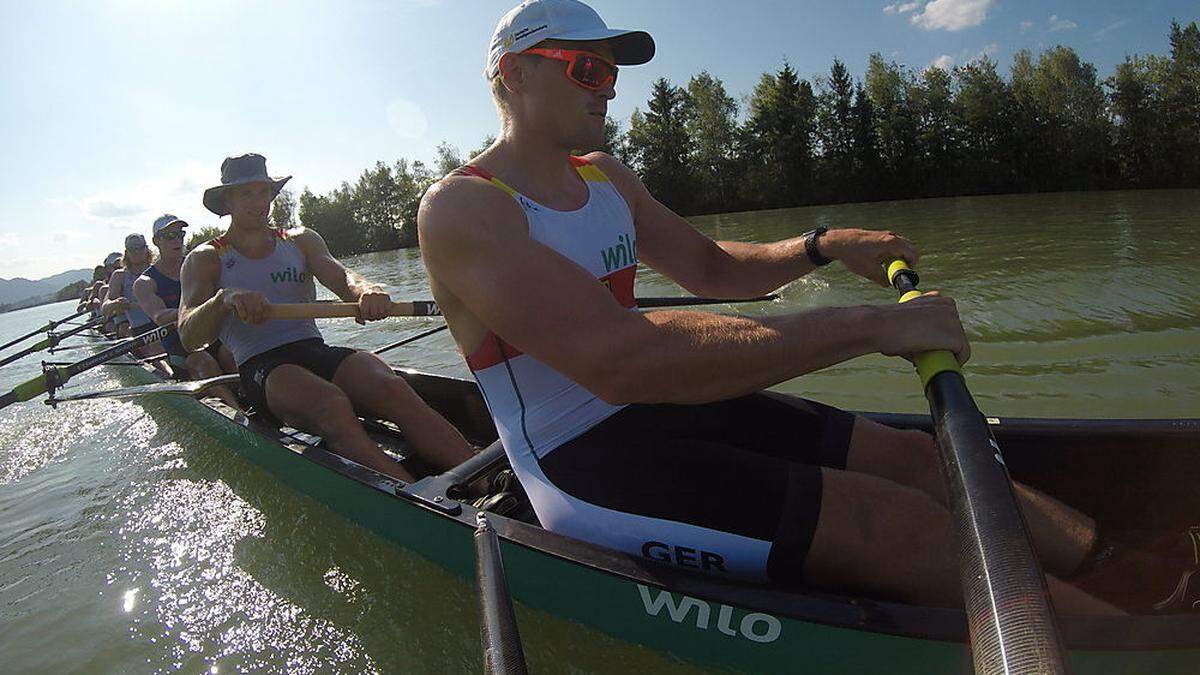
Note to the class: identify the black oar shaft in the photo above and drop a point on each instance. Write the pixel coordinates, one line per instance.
(44, 329)
(1009, 614)
(502, 651)
(50, 341)
(648, 303)
(54, 377)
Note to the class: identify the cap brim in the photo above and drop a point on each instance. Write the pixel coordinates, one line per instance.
(630, 47)
(214, 197)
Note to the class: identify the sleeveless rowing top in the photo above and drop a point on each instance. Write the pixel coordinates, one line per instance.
(134, 314)
(168, 290)
(283, 277)
(535, 407)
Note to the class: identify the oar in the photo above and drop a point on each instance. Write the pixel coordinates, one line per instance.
(44, 329)
(85, 345)
(502, 651)
(1009, 614)
(56, 376)
(331, 310)
(200, 386)
(189, 388)
(51, 340)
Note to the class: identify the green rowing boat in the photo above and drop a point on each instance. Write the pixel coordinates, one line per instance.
(1128, 474)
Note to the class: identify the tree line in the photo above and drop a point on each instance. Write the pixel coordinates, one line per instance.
(1051, 125)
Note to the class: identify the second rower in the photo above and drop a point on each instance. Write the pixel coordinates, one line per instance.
(228, 286)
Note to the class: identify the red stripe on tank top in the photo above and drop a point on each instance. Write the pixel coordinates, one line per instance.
(493, 350)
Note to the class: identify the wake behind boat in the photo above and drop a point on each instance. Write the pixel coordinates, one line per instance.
(1138, 475)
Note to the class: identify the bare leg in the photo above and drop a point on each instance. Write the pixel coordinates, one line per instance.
(875, 535)
(202, 366)
(1061, 534)
(225, 358)
(376, 390)
(306, 401)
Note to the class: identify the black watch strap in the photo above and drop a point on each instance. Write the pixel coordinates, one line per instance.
(811, 248)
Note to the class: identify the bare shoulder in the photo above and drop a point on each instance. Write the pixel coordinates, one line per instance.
(456, 207)
(145, 282)
(310, 241)
(626, 181)
(204, 262)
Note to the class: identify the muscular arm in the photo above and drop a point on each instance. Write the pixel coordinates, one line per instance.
(345, 283)
(115, 300)
(727, 269)
(145, 291)
(201, 304)
(476, 247)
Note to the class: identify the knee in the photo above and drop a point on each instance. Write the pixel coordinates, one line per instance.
(200, 363)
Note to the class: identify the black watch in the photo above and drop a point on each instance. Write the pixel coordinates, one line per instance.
(811, 249)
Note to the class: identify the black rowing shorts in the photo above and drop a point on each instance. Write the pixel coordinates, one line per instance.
(312, 354)
(731, 487)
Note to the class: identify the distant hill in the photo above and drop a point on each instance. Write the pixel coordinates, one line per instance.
(15, 290)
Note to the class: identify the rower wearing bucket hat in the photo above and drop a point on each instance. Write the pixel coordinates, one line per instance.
(286, 368)
(157, 292)
(619, 424)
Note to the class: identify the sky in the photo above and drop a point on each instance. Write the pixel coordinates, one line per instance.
(114, 112)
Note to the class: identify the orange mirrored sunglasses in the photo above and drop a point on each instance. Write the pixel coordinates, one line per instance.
(588, 70)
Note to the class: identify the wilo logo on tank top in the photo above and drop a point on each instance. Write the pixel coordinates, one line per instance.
(753, 626)
(289, 275)
(623, 254)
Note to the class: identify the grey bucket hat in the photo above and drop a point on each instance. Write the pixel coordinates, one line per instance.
(248, 168)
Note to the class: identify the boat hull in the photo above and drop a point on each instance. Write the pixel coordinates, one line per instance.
(724, 626)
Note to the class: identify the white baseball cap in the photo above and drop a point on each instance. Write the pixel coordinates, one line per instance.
(163, 222)
(536, 20)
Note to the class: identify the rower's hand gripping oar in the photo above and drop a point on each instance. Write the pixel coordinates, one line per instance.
(1009, 615)
(44, 329)
(53, 377)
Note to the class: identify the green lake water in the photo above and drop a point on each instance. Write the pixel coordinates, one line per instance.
(131, 542)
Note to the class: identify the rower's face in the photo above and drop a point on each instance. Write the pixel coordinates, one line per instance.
(251, 202)
(572, 113)
(169, 240)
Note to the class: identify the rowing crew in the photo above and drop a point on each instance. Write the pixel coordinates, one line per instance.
(625, 429)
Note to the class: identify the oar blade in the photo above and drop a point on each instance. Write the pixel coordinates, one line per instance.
(25, 391)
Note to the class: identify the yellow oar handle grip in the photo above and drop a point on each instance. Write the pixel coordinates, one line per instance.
(897, 266)
(928, 364)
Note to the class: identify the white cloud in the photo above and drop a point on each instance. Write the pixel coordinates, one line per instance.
(131, 208)
(101, 207)
(1057, 24)
(1026, 25)
(70, 236)
(1109, 28)
(407, 119)
(901, 8)
(952, 15)
(945, 62)
(9, 240)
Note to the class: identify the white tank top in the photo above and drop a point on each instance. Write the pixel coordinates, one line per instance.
(535, 407)
(283, 277)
